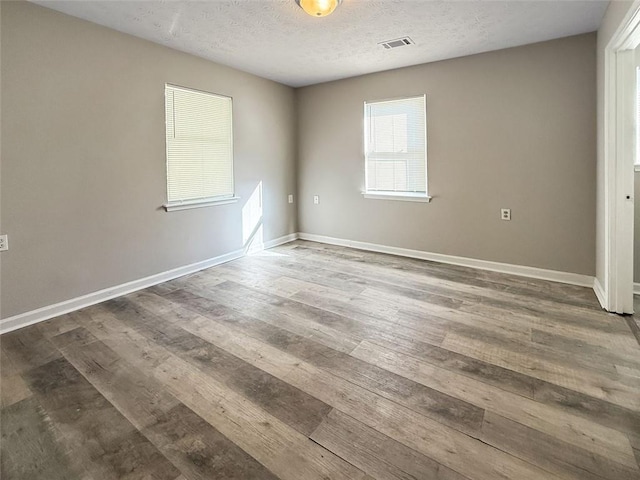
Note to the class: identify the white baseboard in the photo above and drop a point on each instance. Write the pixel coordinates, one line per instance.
(636, 288)
(29, 318)
(45, 313)
(257, 245)
(600, 294)
(282, 240)
(530, 272)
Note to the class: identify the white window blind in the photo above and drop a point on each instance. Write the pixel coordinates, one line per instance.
(396, 146)
(199, 146)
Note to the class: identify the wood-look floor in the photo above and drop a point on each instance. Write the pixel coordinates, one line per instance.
(310, 361)
(634, 320)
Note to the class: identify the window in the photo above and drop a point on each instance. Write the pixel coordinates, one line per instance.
(395, 146)
(199, 148)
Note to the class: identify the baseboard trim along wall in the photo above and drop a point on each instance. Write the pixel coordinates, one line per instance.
(636, 288)
(600, 293)
(531, 272)
(45, 313)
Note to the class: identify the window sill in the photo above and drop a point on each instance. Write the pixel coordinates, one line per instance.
(175, 206)
(636, 168)
(404, 197)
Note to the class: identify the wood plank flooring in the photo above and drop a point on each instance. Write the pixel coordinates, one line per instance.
(310, 361)
(634, 320)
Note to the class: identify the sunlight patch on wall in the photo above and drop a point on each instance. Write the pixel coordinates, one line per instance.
(252, 231)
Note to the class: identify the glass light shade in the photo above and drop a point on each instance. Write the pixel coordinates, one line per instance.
(318, 8)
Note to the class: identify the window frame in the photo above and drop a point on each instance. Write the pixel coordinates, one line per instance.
(394, 194)
(176, 205)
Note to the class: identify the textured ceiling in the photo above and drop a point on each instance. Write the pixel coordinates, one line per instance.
(276, 39)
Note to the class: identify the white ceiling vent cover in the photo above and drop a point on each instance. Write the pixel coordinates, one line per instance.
(398, 42)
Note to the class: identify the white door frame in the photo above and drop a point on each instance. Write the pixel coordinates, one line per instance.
(619, 151)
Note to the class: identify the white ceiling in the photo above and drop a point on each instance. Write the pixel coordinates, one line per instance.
(276, 39)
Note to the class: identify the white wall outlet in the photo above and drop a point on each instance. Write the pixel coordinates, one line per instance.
(290, 198)
(505, 214)
(316, 199)
(4, 242)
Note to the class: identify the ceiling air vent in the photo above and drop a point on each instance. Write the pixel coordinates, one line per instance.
(398, 42)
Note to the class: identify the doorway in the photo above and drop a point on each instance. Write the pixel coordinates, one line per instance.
(636, 191)
(620, 103)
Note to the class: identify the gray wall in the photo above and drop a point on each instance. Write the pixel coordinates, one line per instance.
(83, 152)
(83, 158)
(513, 128)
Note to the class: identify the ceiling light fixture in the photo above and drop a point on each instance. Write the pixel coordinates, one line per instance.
(318, 8)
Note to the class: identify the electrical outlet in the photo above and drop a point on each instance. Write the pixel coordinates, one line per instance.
(290, 198)
(316, 199)
(4, 242)
(505, 214)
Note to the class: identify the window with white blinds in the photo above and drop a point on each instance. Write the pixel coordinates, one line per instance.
(396, 146)
(199, 146)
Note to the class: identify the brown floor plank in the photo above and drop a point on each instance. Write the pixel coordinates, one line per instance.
(280, 448)
(455, 286)
(590, 408)
(582, 315)
(634, 326)
(191, 444)
(278, 312)
(541, 414)
(27, 348)
(551, 420)
(395, 367)
(29, 449)
(12, 387)
(103, 442)
(569, 294)
(443, 444)
(138, 397)
(378, 455)
(201, 451)
(488, 373)
(565, 356)
(289, 404)
(58, 325)
(426, 401)
(593, 383)
(342, 280)
(562, 458)
(562, 344)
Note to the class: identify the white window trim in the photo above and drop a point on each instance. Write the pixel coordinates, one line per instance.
(198, 203)
(402, 196)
